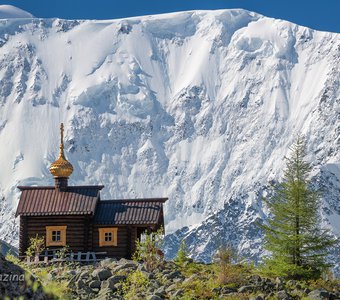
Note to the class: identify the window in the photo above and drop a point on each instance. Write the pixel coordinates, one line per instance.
(56, 235)
(107, 237)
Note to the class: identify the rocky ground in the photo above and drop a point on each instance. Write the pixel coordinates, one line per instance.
(127, 279)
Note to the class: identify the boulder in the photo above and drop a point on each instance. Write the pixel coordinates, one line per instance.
(141, 268)
(148, 275)
(161, 290)
(101, 274)
(255, 279)
(245, 288)
(124, 261)
(228, 290)
(154, 297)
(82, 287)
(116, 278)
(108, 262)
(80, 284)
(105, 294)
(278, 280)
(84, 274)
(179, 293)
(71, 273)
(319, 294)
(175, 274)
(94, 284)
(171, 288)
(127, 265)
(191, 278)
(155, 283)
(108, 285)
(283, 295)
(259, 297)
(216, 290)
(232, 295)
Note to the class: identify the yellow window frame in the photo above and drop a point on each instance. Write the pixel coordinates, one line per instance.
(113, 231)
(49, 241)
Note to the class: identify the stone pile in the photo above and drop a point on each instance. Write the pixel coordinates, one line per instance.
(15, 283)
(107, 280)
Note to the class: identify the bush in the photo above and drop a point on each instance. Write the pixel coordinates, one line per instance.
(148, 250)
(36, 246)
(136, 284)
(226, 271)
(62, 252)
(200, 281)
(13, 258)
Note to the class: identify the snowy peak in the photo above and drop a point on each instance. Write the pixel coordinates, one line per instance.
(12, 12)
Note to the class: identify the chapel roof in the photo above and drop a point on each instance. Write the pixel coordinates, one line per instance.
(47, 200)
(147, 211)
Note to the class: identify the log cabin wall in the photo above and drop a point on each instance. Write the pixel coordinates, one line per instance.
(23, 240)
(132, 239)
(76, 229)
(123, 242)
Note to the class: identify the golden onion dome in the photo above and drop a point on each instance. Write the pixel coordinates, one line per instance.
(61, 168)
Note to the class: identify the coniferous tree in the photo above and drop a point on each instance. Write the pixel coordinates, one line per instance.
(293, 235)
(182, 254)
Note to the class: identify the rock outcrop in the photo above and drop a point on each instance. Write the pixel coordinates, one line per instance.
(16, 283)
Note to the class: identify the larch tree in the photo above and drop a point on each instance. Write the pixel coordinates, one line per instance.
(293, 234)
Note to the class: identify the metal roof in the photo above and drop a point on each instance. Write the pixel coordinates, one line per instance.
(44, 201)
(129, 212)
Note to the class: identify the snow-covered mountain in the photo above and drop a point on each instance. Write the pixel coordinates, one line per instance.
(199, 106)
(12, 12)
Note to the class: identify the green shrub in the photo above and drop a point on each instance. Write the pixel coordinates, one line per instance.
(200, 288)
(36, 245)
(136, 284)
(62, 252)
(148, 250)
(226, 271)
(12, 258)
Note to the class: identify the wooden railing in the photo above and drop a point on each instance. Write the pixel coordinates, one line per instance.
(50, 256)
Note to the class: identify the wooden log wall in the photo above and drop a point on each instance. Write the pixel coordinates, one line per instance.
(81, 234)
(123, 243)
(132, 239)
(23, 240)
(74, 233)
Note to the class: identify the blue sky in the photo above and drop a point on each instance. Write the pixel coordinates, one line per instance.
(318, 14)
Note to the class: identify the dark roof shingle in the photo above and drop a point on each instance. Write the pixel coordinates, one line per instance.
(129, 212)
(44, 201)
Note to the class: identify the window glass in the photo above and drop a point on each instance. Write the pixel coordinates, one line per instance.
(56, 235)
(108, 236)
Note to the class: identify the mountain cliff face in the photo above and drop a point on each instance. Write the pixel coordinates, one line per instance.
(198, 106)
